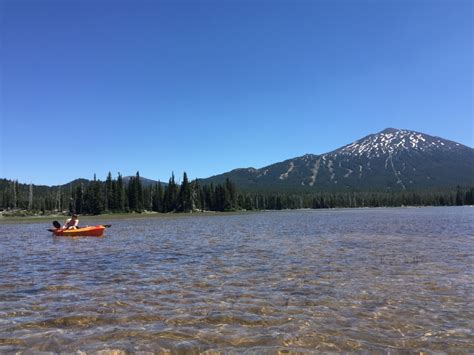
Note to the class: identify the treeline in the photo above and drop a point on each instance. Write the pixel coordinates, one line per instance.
(117, 195)
(456, 197)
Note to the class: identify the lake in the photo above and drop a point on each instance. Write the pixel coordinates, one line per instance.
(389, 279)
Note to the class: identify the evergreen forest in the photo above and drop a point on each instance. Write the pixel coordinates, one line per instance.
(115, 195)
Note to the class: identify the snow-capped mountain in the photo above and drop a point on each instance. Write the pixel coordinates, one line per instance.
(394, 159)
(392, 141)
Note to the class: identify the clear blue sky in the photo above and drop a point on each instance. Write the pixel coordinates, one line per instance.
(207, 86)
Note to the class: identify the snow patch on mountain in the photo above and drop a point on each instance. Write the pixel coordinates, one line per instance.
(314, 172)
(395, 172)
(290, 169)
(392, 159)
(263, 173)
(331, 169)
(391, 141)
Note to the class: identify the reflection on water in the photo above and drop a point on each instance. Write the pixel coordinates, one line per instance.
(340, 280)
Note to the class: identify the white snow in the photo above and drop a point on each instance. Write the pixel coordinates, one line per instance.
(331, 169)
(315, 171)
(290, 169)
(383, 144)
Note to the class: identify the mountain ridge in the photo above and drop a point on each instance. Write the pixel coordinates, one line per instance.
(392, 159)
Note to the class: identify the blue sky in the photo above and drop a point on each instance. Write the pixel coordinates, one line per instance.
(207, 86)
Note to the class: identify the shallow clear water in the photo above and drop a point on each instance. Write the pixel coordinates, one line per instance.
(338, 280)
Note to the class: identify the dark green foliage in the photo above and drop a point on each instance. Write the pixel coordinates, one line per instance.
(119, 195)
(135, 194)
(469, 199)
(185, 203)
(459, 197)
(170, 196)
(94, 201)
(79, 199)
(95, 197)
(109, 190)
(157, 198)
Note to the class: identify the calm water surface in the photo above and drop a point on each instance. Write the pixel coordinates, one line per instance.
(339, 280)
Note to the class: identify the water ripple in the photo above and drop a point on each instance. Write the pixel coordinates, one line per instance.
(335, 281)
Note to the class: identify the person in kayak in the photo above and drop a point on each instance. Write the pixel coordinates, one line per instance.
(71, 223)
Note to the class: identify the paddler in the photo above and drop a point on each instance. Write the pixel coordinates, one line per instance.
(71, 223)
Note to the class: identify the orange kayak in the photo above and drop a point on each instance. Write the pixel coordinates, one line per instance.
(92, 231)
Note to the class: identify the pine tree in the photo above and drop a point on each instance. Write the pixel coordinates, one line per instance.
(158, 198)
(93, 198)
(171, 195)
(109, 198)
(202, 199)
(459, 197)
(79, 199)
(132, 194)
(469, 198)
(184, 198)
(231, 198)
(120, 194)
(15, 194)
(139, 193)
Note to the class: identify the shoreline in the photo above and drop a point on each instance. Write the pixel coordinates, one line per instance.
(115, 216)
(144, 215)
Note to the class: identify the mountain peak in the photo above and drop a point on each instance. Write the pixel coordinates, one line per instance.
(393, 141)
(389, 130)
(393, 159)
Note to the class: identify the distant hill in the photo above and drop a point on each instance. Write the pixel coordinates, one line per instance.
(393, 159)
(145, 182)
(74, 183)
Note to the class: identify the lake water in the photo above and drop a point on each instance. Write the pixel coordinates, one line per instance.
(326, 280)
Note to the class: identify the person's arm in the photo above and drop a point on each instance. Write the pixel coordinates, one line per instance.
(76, 223)
(65, 226)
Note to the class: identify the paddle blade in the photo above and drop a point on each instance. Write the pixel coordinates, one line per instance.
(107, 225)
(56, 224)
